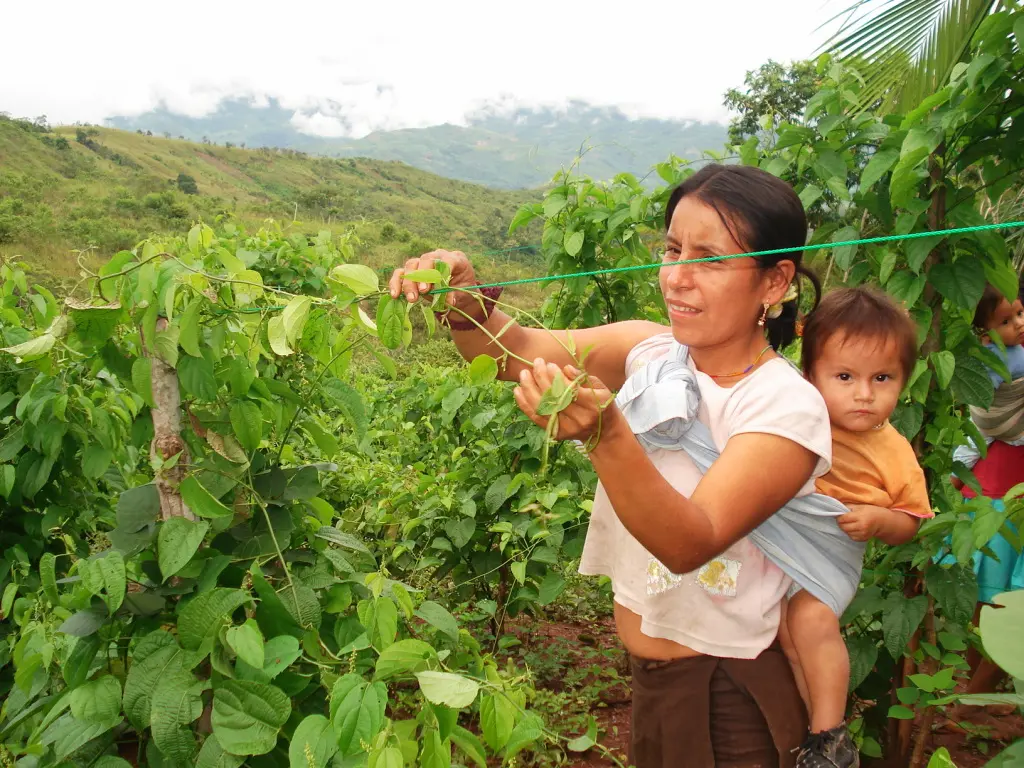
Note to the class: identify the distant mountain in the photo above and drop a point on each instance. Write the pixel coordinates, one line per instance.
(521, 149)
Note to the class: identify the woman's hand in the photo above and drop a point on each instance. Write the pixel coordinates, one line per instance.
(581, 417)
(461, 276)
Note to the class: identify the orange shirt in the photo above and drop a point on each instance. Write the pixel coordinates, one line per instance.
(877, 467)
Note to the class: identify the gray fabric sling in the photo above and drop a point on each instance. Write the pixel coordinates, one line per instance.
(1004, 420)
(660, 403)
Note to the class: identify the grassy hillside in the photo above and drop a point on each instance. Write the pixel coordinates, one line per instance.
(521, 149)
(104, 190)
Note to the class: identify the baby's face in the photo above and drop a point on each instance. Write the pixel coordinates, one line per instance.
(1007, 322)
(860, 379)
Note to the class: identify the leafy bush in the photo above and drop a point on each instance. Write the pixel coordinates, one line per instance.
(187, 184)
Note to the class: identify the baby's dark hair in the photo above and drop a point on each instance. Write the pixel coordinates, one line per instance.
(990, 300)
(860, 313)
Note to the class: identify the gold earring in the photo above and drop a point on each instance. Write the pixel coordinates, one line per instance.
(764, 315)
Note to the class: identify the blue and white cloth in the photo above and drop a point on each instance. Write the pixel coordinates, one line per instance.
(660, 403)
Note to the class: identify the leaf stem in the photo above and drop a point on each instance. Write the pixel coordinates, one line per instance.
(312, 388)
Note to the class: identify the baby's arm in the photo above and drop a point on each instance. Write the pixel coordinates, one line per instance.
(898, 523)
(893, 526)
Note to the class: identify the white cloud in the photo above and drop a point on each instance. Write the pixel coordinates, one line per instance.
(319, 124)
(366, 66)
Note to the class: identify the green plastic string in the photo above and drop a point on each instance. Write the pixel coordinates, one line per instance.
(659, 264)
(772, 252)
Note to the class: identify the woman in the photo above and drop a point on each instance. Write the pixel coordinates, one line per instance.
(697, 605)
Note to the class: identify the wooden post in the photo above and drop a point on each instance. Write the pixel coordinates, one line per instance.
(167, 439)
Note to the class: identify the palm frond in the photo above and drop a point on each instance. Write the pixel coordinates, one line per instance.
(1009, 207)
(910, 46)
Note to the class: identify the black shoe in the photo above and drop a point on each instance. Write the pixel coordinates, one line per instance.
(829, 749)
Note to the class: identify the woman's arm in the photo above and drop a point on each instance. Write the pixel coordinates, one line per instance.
(608, 345)
(756, 475)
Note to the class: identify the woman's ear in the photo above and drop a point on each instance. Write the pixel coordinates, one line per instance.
(777, 279)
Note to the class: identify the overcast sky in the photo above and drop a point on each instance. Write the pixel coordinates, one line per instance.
(393, 63)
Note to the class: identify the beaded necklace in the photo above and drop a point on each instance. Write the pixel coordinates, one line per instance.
(745, 371)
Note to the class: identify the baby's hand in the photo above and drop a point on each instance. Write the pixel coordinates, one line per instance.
(863, 521)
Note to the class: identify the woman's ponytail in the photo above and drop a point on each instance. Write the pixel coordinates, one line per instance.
(781, 330)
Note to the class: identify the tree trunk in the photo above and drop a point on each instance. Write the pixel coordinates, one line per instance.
(898, 733)
(936, 221)
(498, 621)
(924, 719)
(167, 439)
(904, 728)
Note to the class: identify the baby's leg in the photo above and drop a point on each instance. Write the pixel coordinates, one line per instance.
(786, 641)
(814, 633)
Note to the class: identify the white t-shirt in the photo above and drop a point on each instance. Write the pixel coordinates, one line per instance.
(730, 607)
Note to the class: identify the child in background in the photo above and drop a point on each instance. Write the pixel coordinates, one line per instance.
(996, 317)
(1000, 470)
(859, 348)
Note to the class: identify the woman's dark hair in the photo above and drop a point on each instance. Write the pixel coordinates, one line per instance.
(990, 299)
(762, 213)
(861, 313)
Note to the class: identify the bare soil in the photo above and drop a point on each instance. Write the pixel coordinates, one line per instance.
(990, 732)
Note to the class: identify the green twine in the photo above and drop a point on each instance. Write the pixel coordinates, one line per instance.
(659, 264)
(772, 252)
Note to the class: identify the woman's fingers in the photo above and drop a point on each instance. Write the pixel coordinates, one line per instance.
(541, 374)
(545, 374)
(398, 285)
(531, 387)
(528, 405)
(409, 288)
(578, 419)
(522, 401)
(461, 274)
(554, 372)
(426, 261)
(395, 283)
(852, 526)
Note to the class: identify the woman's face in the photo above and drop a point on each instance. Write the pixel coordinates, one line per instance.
(714, 302)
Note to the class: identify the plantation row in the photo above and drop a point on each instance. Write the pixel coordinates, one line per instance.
(241, 587)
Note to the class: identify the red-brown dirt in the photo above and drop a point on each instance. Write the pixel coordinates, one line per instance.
(991, 734)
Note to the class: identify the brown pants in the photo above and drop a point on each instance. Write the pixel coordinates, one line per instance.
(707, 712)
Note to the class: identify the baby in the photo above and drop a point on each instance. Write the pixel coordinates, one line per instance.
(998, 318)
(859, 348)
